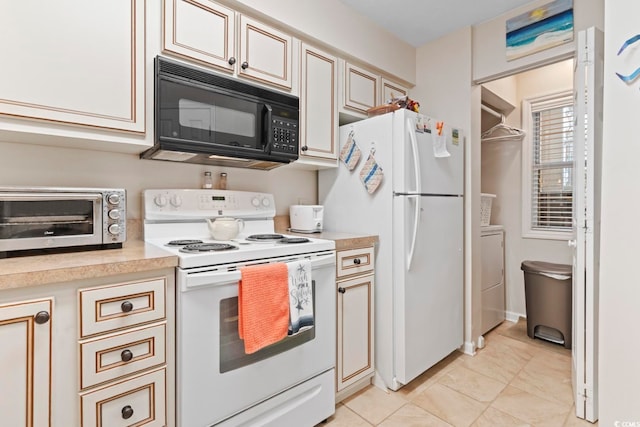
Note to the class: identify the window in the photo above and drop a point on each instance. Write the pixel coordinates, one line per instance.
(547, 166)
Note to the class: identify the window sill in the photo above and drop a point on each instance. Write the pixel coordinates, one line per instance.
(548, 235)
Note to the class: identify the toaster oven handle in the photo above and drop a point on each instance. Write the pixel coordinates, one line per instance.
(268, 128)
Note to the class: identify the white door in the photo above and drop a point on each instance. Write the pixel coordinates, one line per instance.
(428, 291)
(588, 81)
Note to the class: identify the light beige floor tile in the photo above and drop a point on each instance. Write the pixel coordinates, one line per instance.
(498, 362)
(473, 384)
(411, 415)
(452, 406)
(546, 381)
(530, 408)
(374, 404)
(344, 417)
(431, 376)
(495, 418)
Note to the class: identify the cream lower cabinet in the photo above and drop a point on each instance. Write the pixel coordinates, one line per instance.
(355, 336)
(25, 363)
(318, 107)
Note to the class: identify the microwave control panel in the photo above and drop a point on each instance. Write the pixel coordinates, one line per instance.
(285, 135)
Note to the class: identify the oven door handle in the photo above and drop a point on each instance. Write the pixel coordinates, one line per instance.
(202, 280)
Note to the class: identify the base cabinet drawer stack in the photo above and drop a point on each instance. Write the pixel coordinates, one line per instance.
(355, 286)
(123, 373)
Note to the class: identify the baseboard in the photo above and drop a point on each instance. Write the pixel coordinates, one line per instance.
(469, 348)
(513, 317)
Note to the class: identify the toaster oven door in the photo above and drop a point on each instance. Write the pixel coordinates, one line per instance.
(49, 220)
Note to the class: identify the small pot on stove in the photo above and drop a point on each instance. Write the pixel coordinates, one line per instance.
(225, 228)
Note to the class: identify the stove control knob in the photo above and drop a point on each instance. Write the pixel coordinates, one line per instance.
(114, 229)
(266, 202)
(255, 202)
(114, 214)
(160, 200)
(176, 200)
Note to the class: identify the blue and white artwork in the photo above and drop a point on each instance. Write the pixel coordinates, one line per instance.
(539, 29)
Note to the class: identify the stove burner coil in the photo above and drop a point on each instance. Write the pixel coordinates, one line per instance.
(265, 237)
(184, 242)
(287, 240)
(207, 247)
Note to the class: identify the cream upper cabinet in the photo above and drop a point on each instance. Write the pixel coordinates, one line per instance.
(215, 35)
(81, 63)
(318, 106)
(25, 363)
(392, 90)
(361, 89)
(200, 30)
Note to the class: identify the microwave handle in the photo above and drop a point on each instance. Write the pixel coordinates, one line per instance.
(267, 127)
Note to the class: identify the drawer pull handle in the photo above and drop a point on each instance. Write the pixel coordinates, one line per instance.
(127, 412)
(42, 317)
(244, 65)
(232, 60)
(342, 290)
(126, 306)
(356, 261)
(126, 355)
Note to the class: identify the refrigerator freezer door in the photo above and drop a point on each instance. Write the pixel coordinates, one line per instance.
(438, 175)
(428, 298)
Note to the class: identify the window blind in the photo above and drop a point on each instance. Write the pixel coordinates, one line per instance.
(552, 165)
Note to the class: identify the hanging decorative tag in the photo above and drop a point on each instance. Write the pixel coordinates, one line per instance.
(371, 174)
(350, 153)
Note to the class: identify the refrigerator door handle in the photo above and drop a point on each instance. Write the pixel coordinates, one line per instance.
(416, 217)
(416, 158)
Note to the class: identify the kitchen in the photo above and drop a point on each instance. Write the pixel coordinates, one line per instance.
(32, 164)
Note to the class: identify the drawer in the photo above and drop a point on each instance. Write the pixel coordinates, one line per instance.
(122, 353)
(139, 401)
(120, 306)
(354, 261)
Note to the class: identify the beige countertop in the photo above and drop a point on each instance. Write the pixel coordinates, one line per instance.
(135, 256)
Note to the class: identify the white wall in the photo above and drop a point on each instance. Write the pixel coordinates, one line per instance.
(443, 88)
(619, 347)
(489, 40)
(502, 175)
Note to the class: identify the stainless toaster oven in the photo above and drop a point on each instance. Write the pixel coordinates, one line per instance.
(37, 219)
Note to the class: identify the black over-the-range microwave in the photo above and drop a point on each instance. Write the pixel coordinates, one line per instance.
(205, 118)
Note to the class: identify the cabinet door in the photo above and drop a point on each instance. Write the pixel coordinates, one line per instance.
(360, 89)
(265, 53)
(392, 90)
(355, 330)
(25, 363)
(318, 104)
(81, 62)
(200, 30)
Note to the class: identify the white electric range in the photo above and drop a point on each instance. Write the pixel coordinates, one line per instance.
(290, 382)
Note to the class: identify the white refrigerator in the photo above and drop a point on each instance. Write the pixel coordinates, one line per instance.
(417, 212)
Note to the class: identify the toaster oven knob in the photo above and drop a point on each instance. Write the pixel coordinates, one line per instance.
(114, 199)
(114, 214)
(114, 229)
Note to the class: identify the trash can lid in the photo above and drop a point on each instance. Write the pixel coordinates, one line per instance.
(546, 267)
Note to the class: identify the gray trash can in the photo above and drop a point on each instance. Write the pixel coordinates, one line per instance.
(547, 288)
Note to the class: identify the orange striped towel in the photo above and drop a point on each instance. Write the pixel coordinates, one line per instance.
(263, 305)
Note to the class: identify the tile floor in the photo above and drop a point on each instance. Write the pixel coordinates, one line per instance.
(513, 381)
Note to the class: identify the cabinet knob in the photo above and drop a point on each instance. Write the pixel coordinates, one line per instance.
(232, 60)
(304, 148)
(42, 317)
(356, 261)
(126, 306)
(342, 290)
(244, 65)
(126, 355)
(127, 412)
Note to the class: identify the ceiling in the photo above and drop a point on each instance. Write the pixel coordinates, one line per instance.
(420, 21)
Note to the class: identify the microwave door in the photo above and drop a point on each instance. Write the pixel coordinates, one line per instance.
(268, 136)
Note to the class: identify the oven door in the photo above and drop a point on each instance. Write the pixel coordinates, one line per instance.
(49, 220)
(215, 379)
